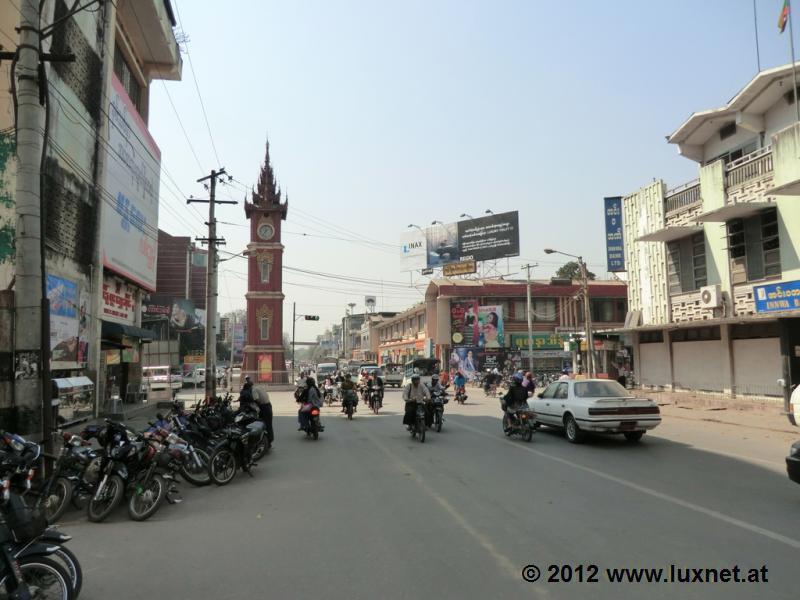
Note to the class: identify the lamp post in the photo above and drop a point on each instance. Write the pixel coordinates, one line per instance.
(466, 215)
(586, 309)
(488, 211)
(529, 312)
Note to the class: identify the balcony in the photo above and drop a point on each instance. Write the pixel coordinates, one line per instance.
(750, 178)
(682, 203)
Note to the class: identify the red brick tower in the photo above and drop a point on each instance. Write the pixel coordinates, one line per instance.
(263, 354)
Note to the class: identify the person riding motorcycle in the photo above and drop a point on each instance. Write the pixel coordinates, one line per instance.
(375, 381)
(349, 392)
(435, 388)
(413, 394)
(310, 398)
(259, 398)
(516, 398)
(459, 381)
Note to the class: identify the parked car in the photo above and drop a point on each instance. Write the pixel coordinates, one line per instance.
(597, 406)
(195, 377)
(175, 379)
(156, 378)
(393, 374)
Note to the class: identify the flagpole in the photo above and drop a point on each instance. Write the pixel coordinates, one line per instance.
(755, 28)
(794, 68)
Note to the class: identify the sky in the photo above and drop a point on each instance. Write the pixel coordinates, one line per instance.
(382, 114)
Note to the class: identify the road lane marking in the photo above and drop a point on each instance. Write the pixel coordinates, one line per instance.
(503, 561)
(646, 490)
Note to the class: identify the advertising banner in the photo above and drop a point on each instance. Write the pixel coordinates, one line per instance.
(119, 301)
(442, 244)
(464, 323)
(467, 267)
(182, 314)
(129, 228)
(83, 328)
(238, 338)
(64, 322)
(615, 250)
(414, 248)
(490, 323)
(777, 296)
(491, 359)
(464, 360)
(489, 238)
(541, 341)
(265, 367)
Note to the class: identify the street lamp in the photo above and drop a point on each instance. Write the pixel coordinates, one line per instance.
(437, 223)
(586, 308)
(412, 225)
(488, 211)
(466, 215)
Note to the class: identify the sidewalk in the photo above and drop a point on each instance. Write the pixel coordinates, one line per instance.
(754, 414)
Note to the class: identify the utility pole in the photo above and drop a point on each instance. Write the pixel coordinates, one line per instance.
(294, 322)
(587, 311)
(211, 280)
(529, 312)
(31, 306)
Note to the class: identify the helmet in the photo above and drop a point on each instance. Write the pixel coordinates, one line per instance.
(565, 371)
(434, 377)
(347, 376)
(415, 377)
(518, 377)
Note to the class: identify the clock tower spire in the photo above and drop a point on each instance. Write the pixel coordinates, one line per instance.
(264, 360)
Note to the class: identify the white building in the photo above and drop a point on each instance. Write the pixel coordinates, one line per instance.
(713, 267)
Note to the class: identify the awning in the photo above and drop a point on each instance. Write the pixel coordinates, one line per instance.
(67, 386)
(786, 189)
(668, 234)
(732, 211)
(117, 330)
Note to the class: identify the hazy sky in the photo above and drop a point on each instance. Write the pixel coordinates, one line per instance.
(381, 114)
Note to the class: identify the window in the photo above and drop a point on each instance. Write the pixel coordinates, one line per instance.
(264, 328)
(696, 334)
(699, 260)
(651, 337)
(674, 267)
(754, 247)
(264, 268)
(600, 389)
(550, 392)
(128, 80)
(544, 309)
(727, 130)
(604, 310)
(770, 243)
(562, 391)
(422, 322)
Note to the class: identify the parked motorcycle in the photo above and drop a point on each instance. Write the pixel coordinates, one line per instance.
(240, 444)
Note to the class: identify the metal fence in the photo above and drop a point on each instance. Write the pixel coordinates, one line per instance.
(682, 196)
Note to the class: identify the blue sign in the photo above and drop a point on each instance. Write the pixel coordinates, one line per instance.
(615, 249)
(777, 296)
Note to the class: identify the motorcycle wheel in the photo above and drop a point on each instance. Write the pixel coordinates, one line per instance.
(98, 510)
(438, 424)
(57, 499)
(45, 578)
(73, 568)
(260, 449)
(349, 414)
(197, 475)
(528, 435)
(146, 500)
(222, 466)
(315, 432)
(421, 430)
(376, 407)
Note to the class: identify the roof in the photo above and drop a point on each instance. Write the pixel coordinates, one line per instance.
(459, 288)
(760, 93)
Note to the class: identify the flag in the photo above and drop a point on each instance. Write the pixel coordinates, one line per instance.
(784, 16)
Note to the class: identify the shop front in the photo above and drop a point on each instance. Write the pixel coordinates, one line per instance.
(549, 355)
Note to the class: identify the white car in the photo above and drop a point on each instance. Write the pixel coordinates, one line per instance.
(596, 406)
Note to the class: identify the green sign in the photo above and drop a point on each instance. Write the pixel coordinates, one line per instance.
(541, 341)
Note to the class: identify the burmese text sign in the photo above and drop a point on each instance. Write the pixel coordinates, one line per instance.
(489, 238)
(615, 250)
(464, 322)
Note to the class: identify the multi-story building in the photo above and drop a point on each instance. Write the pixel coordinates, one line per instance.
(370, 338)
(713, 268)
(402, 337)
(100, 184)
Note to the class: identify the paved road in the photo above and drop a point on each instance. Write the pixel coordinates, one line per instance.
(366, 512)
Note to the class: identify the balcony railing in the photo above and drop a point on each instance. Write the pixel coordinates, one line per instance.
(750, 166)
(682, 196)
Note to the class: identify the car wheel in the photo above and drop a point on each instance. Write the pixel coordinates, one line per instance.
(573, 432)
(633, 436)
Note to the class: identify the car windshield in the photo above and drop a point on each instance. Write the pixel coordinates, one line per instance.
(600, 389)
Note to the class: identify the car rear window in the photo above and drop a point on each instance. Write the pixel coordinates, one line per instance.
(600, 389)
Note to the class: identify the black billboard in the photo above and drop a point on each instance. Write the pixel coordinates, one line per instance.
(489, 238)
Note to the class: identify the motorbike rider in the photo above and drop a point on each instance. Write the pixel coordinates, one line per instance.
(349, 392)
(435, 388)
(413, 394)
(375, 381)
(529, 382)
(460, 382)
(310, 398)
(516, 398)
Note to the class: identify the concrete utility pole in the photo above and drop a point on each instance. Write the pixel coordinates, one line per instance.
(31, 340)
(529, 312)
(587, 311)
(211, 280)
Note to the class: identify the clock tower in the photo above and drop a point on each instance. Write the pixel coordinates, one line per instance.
(264, 360)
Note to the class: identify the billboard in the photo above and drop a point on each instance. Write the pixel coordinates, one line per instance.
(465, 359)
(414, 248)
(119, 301)
(615, 249)
(489, 238)
(129, 228)
(182, 314)
(777, 296)
(490, 324)
(464, 322)
(64, 322)
(467, 267)
(541, 341)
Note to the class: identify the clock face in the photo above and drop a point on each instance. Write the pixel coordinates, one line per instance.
(265, 231)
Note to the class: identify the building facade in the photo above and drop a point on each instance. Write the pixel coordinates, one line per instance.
(402, 337)
(713, 268)
(100, 187)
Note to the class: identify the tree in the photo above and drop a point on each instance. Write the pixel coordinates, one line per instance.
(572, 271)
